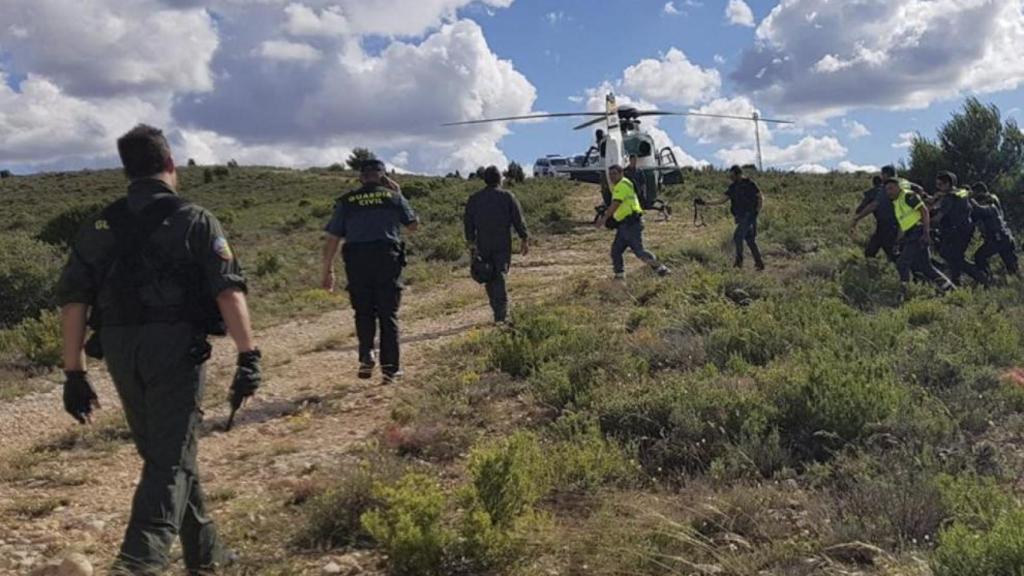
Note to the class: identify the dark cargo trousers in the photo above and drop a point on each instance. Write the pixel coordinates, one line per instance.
(374, 271)
(497, 291)
(161, 388)
(1005, 249)
(952, 248)
(746, 231)
(883, 239)
(629, 236)
(916, 258)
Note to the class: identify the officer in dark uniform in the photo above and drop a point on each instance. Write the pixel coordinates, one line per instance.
(490, 216)
(998, 239)
(636, 175)
(154, 274)
(956, 228)
(914, 221)
(876, 202)
(370, 220)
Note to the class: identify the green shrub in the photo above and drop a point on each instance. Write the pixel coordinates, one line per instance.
(28, 274)
(38, 340)
(582, 459)
(408, 525)
(825, 402)
(999, 551)
(62, 229)
(268, 264)
(332, 519)
(509, 477)
(868, 283)
(682, 424)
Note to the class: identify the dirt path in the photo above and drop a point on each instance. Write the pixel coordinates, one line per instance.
(312, 413)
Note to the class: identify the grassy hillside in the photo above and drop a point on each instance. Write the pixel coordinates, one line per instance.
(273, 219)
(720, 421)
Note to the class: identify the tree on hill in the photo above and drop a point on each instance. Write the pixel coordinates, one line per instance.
(5, 174)
(191, 162)
(976, 145)
(358, 156)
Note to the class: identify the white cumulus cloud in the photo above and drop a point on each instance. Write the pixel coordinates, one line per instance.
(672, 79)
(739, 13)
(855, 129)
(670, 8)
(848, 166)
(723, 130)
(284, 50)
(825, 57)
(906, 140)
(809, 150)
(105, 48)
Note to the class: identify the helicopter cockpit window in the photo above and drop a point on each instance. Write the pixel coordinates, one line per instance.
(639, 147)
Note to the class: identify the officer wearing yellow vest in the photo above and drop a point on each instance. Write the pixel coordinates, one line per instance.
(625, 215)
(915, 236)
(956, 228)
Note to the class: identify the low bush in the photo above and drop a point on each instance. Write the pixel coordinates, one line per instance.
(62, 229)
(509, 477)
(824, 402)
(36, 341)
(28, 275)
(333, 518)
(582, 459)
(408, 525)
(997, 551)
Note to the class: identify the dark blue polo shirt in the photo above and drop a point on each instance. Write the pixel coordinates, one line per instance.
(372, 213)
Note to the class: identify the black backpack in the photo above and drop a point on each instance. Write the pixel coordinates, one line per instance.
(138, 262)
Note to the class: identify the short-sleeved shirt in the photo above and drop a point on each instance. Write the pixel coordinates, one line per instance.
(190, 237)
(373, 213)
(490, 216)
(625, 193)
(743, 195)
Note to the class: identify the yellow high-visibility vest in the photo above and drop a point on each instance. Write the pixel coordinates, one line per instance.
(629, 204)
(908, 216)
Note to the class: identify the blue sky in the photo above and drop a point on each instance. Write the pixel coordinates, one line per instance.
(570, 52)
(302, 82)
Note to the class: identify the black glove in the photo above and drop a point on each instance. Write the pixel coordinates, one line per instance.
(79, 396)
(248, 376)
(699, 201)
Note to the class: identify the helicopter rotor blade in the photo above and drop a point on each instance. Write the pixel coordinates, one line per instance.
(590, 123)
(707, 115)
(526, 117)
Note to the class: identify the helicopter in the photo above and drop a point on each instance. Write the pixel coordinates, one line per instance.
(622, 137)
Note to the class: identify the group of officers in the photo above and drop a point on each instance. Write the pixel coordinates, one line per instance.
(154, 275)
(909, 221)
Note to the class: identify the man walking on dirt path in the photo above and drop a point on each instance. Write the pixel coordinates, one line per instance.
(155, 274)
(877, 203)
(626, 215)
(490, 216)
(370, 219)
